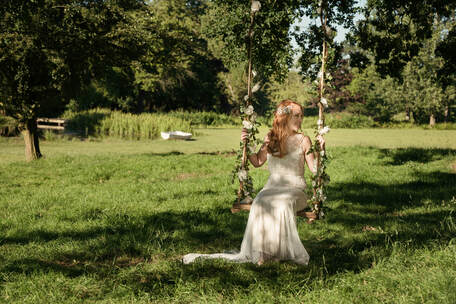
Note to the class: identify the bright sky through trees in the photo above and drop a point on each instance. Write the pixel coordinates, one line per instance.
(341, 32)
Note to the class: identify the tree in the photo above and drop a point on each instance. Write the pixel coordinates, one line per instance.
(175, 71)
(377, 97)
(291, 88)
(338, 95)
(49, 50)
(226, 26)
(178, 70)
(311, 42)
(393, 31)
(422, 86)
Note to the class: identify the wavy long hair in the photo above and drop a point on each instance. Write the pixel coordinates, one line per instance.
(280, 132)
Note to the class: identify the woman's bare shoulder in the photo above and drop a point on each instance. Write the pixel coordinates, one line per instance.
(305, 141)
(304, 138)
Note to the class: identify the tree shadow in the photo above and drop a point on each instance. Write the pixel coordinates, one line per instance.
(222, 153)
(434, 185)
(171, 153)
(403, 155)
(86, 123)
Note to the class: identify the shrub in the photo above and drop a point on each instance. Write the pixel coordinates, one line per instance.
(341, 120)
(8, 126)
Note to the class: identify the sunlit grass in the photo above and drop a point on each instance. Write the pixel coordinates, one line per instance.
(226, 140)
(108, 221)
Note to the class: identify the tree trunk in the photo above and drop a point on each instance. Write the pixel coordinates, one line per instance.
(32, 144)
(432, 120)
(445, 114)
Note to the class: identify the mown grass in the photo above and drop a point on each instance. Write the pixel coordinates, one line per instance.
(108, 221)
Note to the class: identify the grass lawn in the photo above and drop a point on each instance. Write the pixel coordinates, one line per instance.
(107, 221)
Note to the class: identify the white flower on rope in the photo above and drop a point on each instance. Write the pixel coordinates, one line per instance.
(256, 5)
(249, 110)
(324, 102)
(256, 87)
(242, 175)
(247, 124)
(324, 130)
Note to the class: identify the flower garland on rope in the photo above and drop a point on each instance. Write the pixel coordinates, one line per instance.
(241, 170)
(248, 117)
(321, 179)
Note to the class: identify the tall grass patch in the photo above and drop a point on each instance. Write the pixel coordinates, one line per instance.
(206, 119)
(103, 122)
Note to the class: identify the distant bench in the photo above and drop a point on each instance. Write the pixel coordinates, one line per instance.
(51, 123)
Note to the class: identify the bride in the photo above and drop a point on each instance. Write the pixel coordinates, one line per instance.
(271, 232)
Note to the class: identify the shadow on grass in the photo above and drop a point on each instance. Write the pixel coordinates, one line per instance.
(403, 155)
(435, 186)
(172, 153)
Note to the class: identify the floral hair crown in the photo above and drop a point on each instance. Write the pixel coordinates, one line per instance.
(284, 110)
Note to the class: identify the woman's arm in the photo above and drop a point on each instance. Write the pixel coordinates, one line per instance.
(259, 158)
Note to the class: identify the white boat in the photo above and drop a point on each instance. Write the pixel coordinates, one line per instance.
(176, 135)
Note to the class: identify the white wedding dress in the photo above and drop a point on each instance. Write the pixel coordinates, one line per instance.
(271, 232)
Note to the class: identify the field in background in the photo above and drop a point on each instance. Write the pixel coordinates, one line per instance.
(225, 140)
(108, 221)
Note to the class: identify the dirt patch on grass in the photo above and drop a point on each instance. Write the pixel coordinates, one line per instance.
(221, 153)
(183, 176)
(188, 175)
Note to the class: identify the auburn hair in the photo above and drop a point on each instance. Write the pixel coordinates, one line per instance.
(280, 131)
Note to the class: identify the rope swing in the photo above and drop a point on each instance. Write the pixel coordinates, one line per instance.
(320, 179)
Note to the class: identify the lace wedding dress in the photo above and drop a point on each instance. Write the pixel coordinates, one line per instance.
(271, 232)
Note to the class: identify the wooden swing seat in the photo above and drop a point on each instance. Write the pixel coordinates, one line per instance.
(310, 215)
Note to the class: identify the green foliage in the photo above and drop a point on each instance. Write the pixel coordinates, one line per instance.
(346, 120)
(340, 120)
(379, 98)
(226, 25)
(293, 87)
(423, 90)
(311, 40)
(49, 50)
(86, 122)
(173, 69)
(394, 31)
(8, 126)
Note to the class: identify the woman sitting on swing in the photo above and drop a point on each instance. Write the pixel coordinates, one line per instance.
(271, 232)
